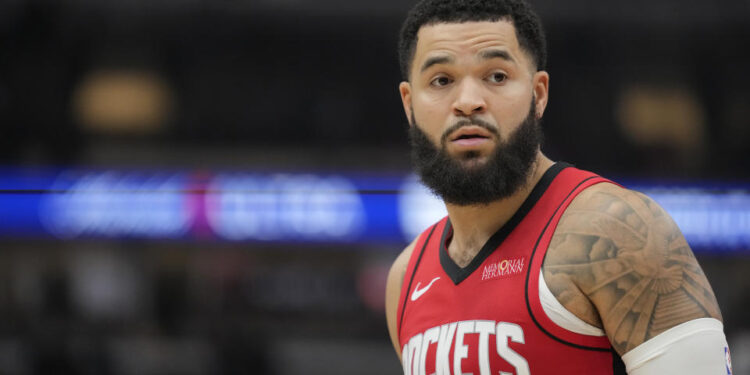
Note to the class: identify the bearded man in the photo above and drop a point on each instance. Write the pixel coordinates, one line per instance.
(539, 267)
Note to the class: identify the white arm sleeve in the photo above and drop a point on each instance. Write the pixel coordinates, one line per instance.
(691, 348)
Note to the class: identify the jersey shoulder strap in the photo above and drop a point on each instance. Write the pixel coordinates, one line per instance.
(411, 269)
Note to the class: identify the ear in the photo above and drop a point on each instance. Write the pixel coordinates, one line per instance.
(541, 92)
(404, 88)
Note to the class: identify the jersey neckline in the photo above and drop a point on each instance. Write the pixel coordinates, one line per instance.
(458, 274)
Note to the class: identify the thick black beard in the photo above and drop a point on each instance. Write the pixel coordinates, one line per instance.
(503, 174)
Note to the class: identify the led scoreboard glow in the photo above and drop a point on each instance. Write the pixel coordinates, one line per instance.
(288, 207)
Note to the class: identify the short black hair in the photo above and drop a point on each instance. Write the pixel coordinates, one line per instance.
(429, 12)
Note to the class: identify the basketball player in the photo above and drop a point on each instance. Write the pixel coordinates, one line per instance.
(539, 267)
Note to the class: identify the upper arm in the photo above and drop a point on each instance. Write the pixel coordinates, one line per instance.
(629, 259)
(393, 293)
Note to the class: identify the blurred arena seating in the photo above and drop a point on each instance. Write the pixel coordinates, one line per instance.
(219, 187)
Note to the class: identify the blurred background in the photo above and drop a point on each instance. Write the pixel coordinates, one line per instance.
(219, 187)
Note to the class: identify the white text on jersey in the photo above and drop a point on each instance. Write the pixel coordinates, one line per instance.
(414, 354)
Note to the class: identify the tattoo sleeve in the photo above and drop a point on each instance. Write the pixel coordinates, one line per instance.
(618, 253)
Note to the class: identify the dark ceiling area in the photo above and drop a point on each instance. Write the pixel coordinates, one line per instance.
(321, 76)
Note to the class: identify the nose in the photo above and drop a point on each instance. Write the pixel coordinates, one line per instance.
(469, 99)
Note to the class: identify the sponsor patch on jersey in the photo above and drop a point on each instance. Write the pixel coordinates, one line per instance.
(503, 268)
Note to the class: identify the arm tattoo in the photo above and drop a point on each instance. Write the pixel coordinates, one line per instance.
(628, 258)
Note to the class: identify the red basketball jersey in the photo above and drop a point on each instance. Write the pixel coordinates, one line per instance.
(486, 318)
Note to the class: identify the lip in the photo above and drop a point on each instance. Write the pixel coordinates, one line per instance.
(470, 133)
(471, 136)
(470, 142)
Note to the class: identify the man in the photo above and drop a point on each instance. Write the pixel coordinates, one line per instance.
(539, 268)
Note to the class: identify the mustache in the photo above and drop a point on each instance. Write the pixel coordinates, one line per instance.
(468, 122)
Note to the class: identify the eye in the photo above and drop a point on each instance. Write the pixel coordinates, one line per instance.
(440, 81)
(497, 77)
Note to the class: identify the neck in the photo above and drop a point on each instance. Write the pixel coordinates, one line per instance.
(474, 225)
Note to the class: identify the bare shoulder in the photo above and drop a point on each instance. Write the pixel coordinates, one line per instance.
(617, 256)
(393, 292)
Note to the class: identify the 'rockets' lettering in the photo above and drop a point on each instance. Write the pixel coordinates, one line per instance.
(441, 339)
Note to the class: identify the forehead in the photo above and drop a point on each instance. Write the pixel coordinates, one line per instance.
(466, 38)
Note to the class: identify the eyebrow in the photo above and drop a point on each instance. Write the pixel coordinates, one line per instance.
(435, 60)
(495, 54)
(484, 55)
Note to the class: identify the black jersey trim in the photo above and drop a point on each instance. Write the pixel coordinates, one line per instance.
(528, 274)
(419, 259)
(618, 366)
(458, 274)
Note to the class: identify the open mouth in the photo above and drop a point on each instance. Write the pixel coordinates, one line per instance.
(470, 135)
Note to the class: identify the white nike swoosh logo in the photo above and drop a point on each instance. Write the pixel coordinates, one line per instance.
(418, 292)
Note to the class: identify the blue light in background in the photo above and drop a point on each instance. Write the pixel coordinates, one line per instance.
(116, 204)
(418, 208)
(286, 207)
(708, 220)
